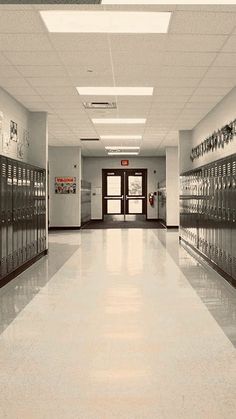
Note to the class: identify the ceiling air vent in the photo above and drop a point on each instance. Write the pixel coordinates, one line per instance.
(99, 105)
(89, 139)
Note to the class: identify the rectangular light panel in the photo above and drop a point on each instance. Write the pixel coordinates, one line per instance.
(119, 120)
(111, 148)
(76, 21)
(115, 91)
(121, 137)
(123, 153)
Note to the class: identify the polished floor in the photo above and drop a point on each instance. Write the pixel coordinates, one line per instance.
(118, 324)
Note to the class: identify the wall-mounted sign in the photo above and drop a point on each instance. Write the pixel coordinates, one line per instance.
(124, 162)
(13, 131)
(65, 185)
(217, 140)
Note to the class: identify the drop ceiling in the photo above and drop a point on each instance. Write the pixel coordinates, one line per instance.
(191, 69)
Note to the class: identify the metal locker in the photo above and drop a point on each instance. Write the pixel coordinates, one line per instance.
(9, 216)
(219, 215)
(15, 213)
(228, 235)
(38, 213)
(224, 243)
(28, 216)
(32, 236)
(20, 212)
(35, 215)
(44, 208)
(3, 208)
(24, 213)
(233, 224)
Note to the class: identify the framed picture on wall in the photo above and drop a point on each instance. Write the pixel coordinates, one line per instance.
(13, 131)
(65, 185)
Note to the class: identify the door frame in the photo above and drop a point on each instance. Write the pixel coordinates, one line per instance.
(121, 170)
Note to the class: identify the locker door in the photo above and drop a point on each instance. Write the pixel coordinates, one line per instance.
(38, 213)
(24, 212)
(3, 208)
(219, 218)
(216, 197)
(20, 213)
(32, 237)
(28, 219)
(228, 236)
(35, 218)
(233, 225)
(9, 216)
(224, 244)
(44, 208)
(15, 214)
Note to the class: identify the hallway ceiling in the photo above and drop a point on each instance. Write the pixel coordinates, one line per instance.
(191, 69)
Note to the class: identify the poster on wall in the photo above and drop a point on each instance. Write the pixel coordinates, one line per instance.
(65, 185)
(13, 131)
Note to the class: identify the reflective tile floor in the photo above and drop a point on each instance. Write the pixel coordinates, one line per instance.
(118, 324)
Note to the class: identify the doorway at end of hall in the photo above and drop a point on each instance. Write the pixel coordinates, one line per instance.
(124, 194)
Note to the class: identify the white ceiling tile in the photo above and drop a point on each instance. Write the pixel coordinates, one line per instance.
(137, 57)
(19, 91)
(191, 42)
(33, 58)
(217, 82)
(217, 91)
(188, 59)
(174, 91)
(49, 81)
(222, 72)
(90, 72)
(8, 71)
(3, 60)
(205, 98)
(42, 71)
(20, 22)
(79, 41)
(182, 71)
(24, 42)
(225, 59)
(202, 22)
(138, 42)
(14, 82)
(69, 91)
(230, 45)
(85, 58)
(176, 82)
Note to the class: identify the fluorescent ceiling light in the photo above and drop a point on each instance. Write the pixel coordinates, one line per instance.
(123, 153)
(76, 21)
(121, 137)
(111, 148)
(115, 91)
(119, 120)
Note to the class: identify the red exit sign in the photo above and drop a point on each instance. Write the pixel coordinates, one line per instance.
(124, 162)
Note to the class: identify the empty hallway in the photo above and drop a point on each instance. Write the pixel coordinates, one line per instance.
(115, 324)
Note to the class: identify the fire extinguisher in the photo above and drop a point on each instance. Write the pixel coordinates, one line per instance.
(151, 199)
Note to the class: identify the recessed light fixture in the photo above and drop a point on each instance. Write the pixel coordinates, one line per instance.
(119, 120)
(123, 153)
(76, 21)
(121, 137)
(120, 148)
(115, 91)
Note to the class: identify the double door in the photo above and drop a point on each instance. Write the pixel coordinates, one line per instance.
(124, 194)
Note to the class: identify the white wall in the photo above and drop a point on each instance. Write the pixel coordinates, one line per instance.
(64, 210)
(92, 172)
(172, 186)
(223, 113)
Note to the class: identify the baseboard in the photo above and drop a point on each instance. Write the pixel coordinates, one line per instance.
(64, 228)
(170, 227)
(227, 277)
(22, 268)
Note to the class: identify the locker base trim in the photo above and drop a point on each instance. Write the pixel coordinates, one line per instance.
(22, 268)
(227, 277)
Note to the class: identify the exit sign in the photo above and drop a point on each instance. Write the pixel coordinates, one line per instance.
(124, 162)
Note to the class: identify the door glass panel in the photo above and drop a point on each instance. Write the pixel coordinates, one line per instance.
(113, 185)
(135, 184)
(113, 206)
(135, 206)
